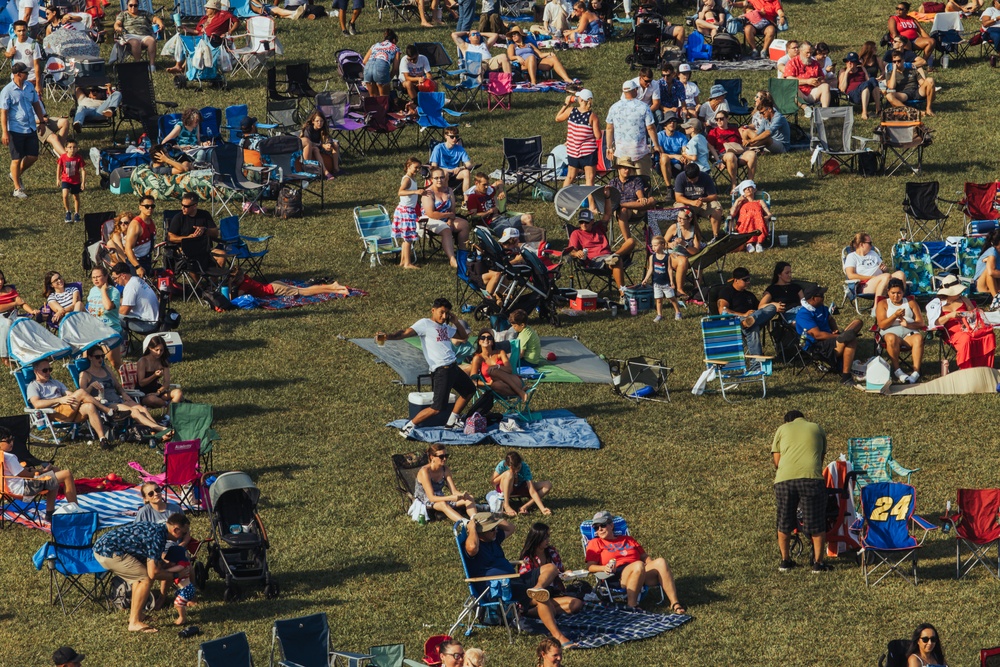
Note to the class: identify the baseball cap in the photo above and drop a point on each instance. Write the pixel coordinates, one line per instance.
(684, 68)
(64, 654)
(509, 234)
(585, 215)
(18, 68)
(247, 124)
(629, 86)
(813, 290)
(602, 518)
(585, 94)
(670, 117)
(693, 124)
(852, 57)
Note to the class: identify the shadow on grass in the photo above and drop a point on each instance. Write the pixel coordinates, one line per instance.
(285, 470)
(567, 503)
(258, 385)
(239, 411)
(203, 348)
(697, 591)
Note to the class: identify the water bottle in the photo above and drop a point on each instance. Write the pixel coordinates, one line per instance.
(944, 367)
(945, 60)
(373, 261)
(633, 306)
(724, 311)
(128, 139)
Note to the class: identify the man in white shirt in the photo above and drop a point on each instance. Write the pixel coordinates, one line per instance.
(29, 11)
(140, 309)
(648, 91)
(436, 334)
(28, 483)
(476, 44)
(23, 49)
(413, 68)
(791, 51)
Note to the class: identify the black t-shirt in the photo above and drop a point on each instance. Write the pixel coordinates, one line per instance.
(703, 186)
(740, 301)
(786, 294)
(183, 225)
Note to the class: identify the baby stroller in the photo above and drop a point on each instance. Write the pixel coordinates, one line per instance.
(647, 42)
(203, 63)
(238, 544)
(352, 71)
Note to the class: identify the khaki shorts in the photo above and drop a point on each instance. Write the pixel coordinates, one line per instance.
(702, 211)
(129, 568)
(46, 130)
(282, 289)
(65, 413)
(495, 64)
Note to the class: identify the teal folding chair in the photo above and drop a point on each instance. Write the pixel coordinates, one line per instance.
(871, 460)
(722, 336)
(375, 230)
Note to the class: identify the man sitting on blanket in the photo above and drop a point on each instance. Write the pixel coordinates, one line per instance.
(485, 558)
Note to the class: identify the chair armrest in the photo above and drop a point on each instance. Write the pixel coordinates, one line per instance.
(135, 393)
(756, 356)
(452, 113)
(352, 658)
(257, 239)
(900, 470)
(495, 577)
(47, 411)
(716, 362)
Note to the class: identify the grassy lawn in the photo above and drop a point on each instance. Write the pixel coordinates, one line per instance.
(302, 411)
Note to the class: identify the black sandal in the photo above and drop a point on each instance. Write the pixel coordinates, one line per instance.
(674, 608)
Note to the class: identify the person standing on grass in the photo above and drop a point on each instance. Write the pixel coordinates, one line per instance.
(19, 104)
(71, 176)
(404, 218)
(356, 7)
(436, 333)
(798, 450)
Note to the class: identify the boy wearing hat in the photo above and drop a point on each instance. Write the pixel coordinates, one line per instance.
(691, 89)
(589, 244)
(697, 150)
(64, 656)
(822, 336)
(485, 534)
(672, 141)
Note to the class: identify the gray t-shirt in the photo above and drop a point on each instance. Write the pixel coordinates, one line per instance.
(151, 514)
(46, 390)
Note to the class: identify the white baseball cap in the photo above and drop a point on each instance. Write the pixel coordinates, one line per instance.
(509, 234)
(684, 68)
(585, 94)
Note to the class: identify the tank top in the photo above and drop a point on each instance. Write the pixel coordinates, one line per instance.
(144, 244)
(684, 242)
(110, 393)
(523, 51)
(442, 205)
(409, 201)
(580, 140)
(187, 137)
(891, 309)
(661, 275)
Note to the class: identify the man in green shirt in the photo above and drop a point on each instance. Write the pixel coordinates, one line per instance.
(798, 450)
(530, 343)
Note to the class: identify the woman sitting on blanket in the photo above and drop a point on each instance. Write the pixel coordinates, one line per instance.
(531, 59)
(434, 482)
(241, 283)
(589, 24)
(537, 552)
(972, 338)
(495, 368)
(625, 558)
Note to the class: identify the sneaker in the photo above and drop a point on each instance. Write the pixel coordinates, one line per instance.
(755, 54)
(459, 425)
(105, 444)
(351, 29)
(913, 377)
(20, 194)
(759, 248)
(539, 594)
(76, 217)
(69, 217)
(678, 316)
(406, 431)
(77, 127)
(750, 247)
(345, 33)
(901, 376)
(995, 304)
(847, 380)
(820, 567)
(786, 565)
(658, 318)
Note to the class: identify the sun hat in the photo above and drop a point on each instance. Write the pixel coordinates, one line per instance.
(487, 521)
(951, 286)
(213, 4)
(717, 90)
(746, 184)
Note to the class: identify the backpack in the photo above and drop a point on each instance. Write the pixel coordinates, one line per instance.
(725, 47)
(289, 204)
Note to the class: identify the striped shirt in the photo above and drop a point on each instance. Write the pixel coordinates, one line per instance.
(579, 134)
(64, 298)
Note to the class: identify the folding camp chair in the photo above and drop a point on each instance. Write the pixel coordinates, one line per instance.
(397, 10)
(437, 56)
(854, 289)
(499, 91)
(283, 155)
(304, 641)
(786, 102)
(924, 219)
(300, 81)
(45, 431)
(738, 109)
(902, 143)
(967, 252)
(871, 460)
(230, 651)
(282, 116)
(430, 117)
(722, 336)
(391, 655)
(193, 421)
(69, 558)
(230, 180)
(608, 586)
(914, 260)
(980, 207)
(383, 130)
(599, 279)
(831, 133)
(640, 378)
(238, 247)
(181, 472)
(524, 165)
(977, 527)
(512, 406)
(260, 46)
(139, 104)
(883, 529)
(490, 599)
(989, 657)
(950, 37)
(470, 84)
(406, 466)
(375, 231)
(18, 507)
(344, 125)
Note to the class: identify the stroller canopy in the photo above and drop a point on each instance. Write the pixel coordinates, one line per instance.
(233, 481)
(82, 331)
(568, 200)
(28, 342)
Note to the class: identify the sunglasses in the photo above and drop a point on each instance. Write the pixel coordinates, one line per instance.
(451, 136)
(897, 61)
(43, 370)
(149, 206)
(456, 656)
(928, 640)
(154, 492)
(57, 279)
(598, 526)
(443, 457)
(97, 357)
(188, 205)
(486, 338)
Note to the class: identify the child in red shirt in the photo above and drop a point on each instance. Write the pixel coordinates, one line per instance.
(71, 176)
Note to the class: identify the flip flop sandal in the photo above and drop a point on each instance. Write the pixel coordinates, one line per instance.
(674, 608)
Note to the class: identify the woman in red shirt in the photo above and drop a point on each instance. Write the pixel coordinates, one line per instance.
(631, 564)
(903, 24)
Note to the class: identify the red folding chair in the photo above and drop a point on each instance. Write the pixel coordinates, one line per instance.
(181, 472)
(977, 527)
(499, 91)
(989, 657)
(979, 204)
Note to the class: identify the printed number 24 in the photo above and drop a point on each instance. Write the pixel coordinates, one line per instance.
(899, 510)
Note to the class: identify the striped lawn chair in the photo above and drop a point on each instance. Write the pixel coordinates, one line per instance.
(723, 341)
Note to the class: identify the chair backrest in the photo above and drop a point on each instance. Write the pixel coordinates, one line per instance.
(784, 92)
(191, 421)
(989, 657)
(430, 104)
(901, 135)
(436, 54)
(229, 228)
(947, 22)
(500, 83)
(886, 508)
(304, 641)
(869, 457)
(20, 428)
(981, 201)
(473, 64)
(373, 222)
(920, 200)
(895, 653)
(181, 462)
(523, 153)
(722, 336)
(93, 225)
(980, 510)
(189, 8)
(76, 367)
(587, 529)
(261, 31)
(235, 114)
(73, 542)
(210, 127)
(734, 89)
(914, 260)
(284, 114)
(231, 651)
(832, 128)
(128, 372)
(387, 655)
(136, 86)
(967, 253)
(165, 123)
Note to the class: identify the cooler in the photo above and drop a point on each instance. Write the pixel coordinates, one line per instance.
(643, 296)
(584, 300)
(423, 399)
(174, 344)
(777, 50)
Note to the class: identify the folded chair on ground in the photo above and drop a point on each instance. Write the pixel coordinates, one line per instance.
(883, 529)
(69, 558)
(490, 600)
(608, 587)
(725, 361)
(640, 378)
(977, 529)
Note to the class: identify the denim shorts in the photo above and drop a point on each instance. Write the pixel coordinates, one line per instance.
(378, 71)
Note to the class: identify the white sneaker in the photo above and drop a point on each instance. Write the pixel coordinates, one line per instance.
(901, 376)
(458, 425)
(750, 247)
(658, 318)
(913, 377)
(406, 431)
(759, 248)
(20, 194)
(677, 315)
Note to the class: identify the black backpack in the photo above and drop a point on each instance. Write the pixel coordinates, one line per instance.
(725, 47)
(289, 204)
(868, 164)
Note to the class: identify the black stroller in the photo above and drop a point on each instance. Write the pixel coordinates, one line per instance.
(237, 550)
(647, 42)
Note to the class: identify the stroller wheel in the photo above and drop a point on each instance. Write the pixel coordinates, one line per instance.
(271, 590)
(232, 593)
(200, 575)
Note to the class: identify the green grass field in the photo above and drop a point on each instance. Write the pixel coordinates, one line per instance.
(302, 411)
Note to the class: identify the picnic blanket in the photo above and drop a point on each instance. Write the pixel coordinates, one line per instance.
(114, 508)
(748, 65)
(596, 625)
(282, 302)
(574, 362)
(541, 87)
(966, 381)
(552, 428)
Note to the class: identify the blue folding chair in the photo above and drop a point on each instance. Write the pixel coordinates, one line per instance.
(470, 83)
(490, 600)
(887, 510)
(305, 642)
(46, 431)
(234, 118)
(237, 245)
(375, 230)
(210, 127)
(722, 336)
(165, 123)
(69, 558)
(231, 651)
(738, 109)
(430, 116)
(608, 585)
